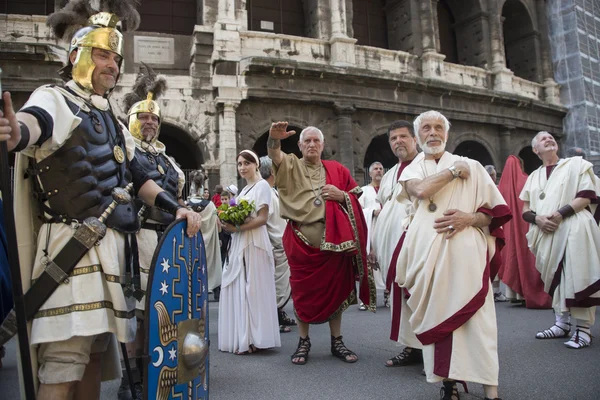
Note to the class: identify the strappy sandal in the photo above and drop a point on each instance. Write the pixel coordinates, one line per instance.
(408, 356)
(301, 353)
(339, 350)
(578, 341)
(450, 390)
(550, 334)
(284, 319)
(362, 307)
(251, 350)
(284, 329)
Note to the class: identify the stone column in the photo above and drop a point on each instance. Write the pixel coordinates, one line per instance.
(345, 138)
(551, 88)
(226, 11)
(502, 76)
(505, 144)
(432, 62)
(227, 142)
(342, 46)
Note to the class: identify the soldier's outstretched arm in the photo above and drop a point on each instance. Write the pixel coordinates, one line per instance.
(18, 130)
(277, 133)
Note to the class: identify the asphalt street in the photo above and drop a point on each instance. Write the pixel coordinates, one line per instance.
(529, 368)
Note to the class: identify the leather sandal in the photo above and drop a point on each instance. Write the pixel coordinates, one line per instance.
(550, 332)
(339, 350)
(284, 319)
(449, 390)
(408, 356)
(301, 353)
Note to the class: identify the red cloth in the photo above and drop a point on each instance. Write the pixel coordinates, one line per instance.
(518, 265)
(322, 280)
(216, 199)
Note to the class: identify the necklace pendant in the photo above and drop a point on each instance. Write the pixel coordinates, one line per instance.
(432, 206)
(542, 196)
(318, 202)
(119, 155)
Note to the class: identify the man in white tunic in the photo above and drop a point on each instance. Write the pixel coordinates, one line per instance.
(565, 238)
(371, 209)
(276, 227)
(448, 258)
(387, 241)
(70, 137)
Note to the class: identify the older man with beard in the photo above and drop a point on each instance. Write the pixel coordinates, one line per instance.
(564, 237)
(371, 209)
(450, 253)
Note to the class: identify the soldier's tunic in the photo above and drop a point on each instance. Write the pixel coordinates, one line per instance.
(76, 169)
(164, 171)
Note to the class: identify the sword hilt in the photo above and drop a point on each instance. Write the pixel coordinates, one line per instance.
(120, 196)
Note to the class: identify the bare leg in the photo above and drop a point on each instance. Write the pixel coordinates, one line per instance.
(303, 328)
(89, 386)
(491, 392)
(335, 326)
(62, 391)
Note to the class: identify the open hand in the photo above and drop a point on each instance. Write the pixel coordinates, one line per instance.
(193, 220)
(278, 130)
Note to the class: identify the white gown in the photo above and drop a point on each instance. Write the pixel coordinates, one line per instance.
(248, 308)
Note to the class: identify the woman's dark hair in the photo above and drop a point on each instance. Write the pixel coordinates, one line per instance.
(247, 156)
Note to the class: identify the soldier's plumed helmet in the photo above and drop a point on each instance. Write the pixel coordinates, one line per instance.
(87, 28)
(147, 89)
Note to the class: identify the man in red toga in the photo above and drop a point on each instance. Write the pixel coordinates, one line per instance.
(325, 238)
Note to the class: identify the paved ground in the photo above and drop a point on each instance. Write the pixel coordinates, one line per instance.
(529, 368)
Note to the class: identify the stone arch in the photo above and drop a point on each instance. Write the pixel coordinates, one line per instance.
(289, 145)
(531, 161)
(475, 150)
(181, 145)
(369, 23)
(285, 17)
(461, 27)
(379, 150)
(520, 41)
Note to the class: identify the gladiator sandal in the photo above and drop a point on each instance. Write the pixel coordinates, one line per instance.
(554, 332)
(284, 319)
(301, 353)
(409, 356)
(582, 338)
(450, 390)
(339, 350)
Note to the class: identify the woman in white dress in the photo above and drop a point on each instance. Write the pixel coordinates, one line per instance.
(248, 308)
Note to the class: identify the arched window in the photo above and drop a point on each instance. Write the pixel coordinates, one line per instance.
(379, 150)
(369, 23)
(176, 17)
(288, 146)
(520, 41)
(475, 151)
(447, 34)
(277, 16)
(531, 161)
(27, 7)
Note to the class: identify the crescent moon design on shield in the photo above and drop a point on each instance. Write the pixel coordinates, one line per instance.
(159, 350)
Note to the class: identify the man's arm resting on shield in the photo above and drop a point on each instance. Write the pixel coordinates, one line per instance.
(277, 133)
(426, 188)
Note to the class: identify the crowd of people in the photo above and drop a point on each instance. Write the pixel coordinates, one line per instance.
(433, 234)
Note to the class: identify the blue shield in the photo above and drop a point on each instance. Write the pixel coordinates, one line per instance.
(177, 318)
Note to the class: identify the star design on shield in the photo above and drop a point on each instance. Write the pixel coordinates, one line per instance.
(165, 265)
(172, 354)
(203, 270)
(164, 288)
